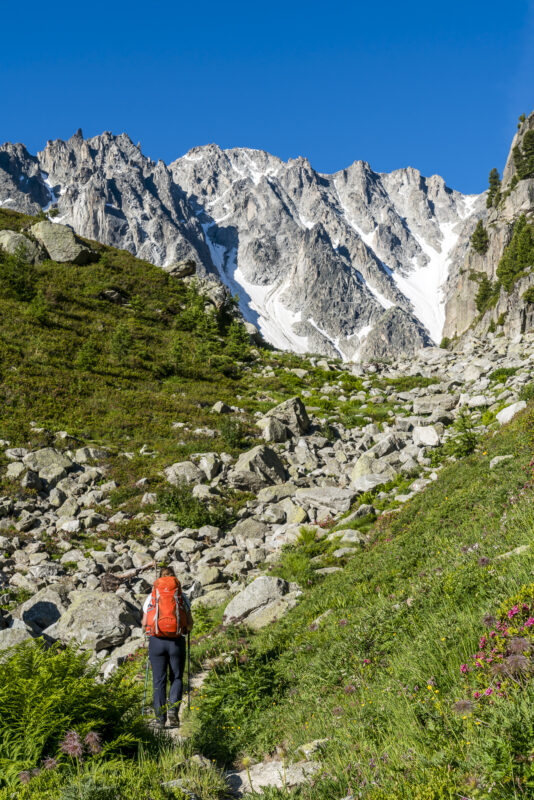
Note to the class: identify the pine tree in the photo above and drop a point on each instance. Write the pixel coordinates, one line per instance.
(480, 239)
(484, 294)
(494, 192)
(524, 156)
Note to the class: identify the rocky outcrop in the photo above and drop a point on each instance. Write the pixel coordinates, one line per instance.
(508, 312)
(13, 242)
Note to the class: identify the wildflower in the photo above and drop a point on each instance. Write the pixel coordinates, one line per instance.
(464, 668)
(513, 611)
(342, 621)
(516, 664)
(482, 643)
(72, 744)
(463, 707)
(92, 742)
(50, 763)
(350, 689)
(519, 645)
(476, 695)
(24, 776)
(488, 691)
(337, 711)
(483, 561)
(366, 661)
(529, 623)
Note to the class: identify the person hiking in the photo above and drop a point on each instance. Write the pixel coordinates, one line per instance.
(167, 620)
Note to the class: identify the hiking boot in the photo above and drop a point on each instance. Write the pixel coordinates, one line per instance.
(172, 717)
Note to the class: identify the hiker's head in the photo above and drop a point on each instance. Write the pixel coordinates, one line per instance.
(167, 572)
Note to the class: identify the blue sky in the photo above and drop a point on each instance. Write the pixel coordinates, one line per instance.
(437, 86)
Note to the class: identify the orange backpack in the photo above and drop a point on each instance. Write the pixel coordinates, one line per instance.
(168, 616)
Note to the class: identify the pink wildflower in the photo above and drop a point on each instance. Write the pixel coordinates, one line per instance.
(488, 691)
(529, 623)
(464, 668)
(476, 695)
(482, 643)
(513, 611)
(366, 661)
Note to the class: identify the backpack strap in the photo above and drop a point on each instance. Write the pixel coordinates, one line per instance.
(157, 613)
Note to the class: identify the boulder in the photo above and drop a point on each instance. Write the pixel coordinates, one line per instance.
(509, 412)
(274, 430)
(250, 528)
(221, 408)
(426, 436)
(184, 472)
(11, 241)
(268, 614)
(43, 609)
(262, 462)
(366, 483)
(46, 458)
(10, 637)
(260, 592)
(275, 774)
(96, 620)
(293, 414)
(331, 498)
(431, 403)
(62, 243)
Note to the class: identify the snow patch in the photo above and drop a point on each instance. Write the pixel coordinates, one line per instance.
(424, 286)
(53, 197)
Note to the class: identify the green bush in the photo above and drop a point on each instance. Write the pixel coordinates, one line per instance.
(486, 295)
(44, 694)
(190, 512)
(527, 392)
(528, 296)
(17, 277)
(500, 375)
(464, 443)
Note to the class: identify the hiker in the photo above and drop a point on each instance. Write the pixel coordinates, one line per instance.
(167, 620)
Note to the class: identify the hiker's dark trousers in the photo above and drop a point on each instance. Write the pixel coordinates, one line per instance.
(166, 655)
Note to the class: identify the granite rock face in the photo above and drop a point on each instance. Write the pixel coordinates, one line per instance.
(349, 264)
(510, 314)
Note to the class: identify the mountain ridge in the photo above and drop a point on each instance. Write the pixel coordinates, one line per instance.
(316, 260)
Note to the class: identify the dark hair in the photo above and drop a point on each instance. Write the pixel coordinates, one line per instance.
(167, 572)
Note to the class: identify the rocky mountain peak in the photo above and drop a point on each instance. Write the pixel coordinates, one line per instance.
(316, 260)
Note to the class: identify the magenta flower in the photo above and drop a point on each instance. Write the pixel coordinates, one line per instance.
(464, 668)
(488, 691)
(482, 643)
(529, 623)
(366, 661)
(476, 695)
(513, 611)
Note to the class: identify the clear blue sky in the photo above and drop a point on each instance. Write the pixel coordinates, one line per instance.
(434, 85)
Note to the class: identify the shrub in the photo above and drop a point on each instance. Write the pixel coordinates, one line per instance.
(445, 343)
(500, 375)
(17, 277)
(528, 296)
(465, 442)
(480, 238)
(233, 432)
(44, 694)
(190, 512)
(527, 392)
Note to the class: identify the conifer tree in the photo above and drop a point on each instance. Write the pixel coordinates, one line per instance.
(494, 192)
(480, 239)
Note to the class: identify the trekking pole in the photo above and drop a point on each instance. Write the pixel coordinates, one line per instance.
(146, 682)
(189, 672)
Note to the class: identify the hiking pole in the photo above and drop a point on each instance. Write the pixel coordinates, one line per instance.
(146, 682)
(189, 672)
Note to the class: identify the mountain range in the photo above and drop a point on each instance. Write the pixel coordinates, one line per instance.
(356, 264)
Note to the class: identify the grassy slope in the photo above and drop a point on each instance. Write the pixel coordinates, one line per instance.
(380, 674)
